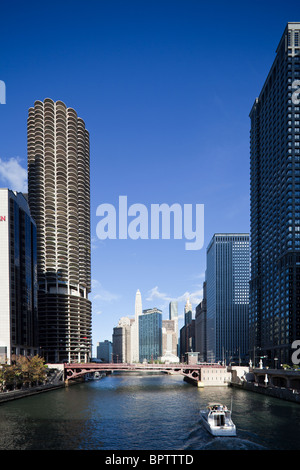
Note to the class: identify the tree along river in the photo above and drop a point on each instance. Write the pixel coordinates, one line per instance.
(144, 412)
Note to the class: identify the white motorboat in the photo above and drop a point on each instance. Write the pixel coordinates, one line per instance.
(217, 420)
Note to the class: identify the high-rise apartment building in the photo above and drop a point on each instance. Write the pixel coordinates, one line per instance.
(227, 297)
(275, 207)
(18, 278)
(59, 200)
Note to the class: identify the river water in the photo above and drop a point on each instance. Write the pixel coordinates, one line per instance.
(144, 412)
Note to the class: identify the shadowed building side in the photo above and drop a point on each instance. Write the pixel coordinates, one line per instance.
(275, 207)
(18, 278)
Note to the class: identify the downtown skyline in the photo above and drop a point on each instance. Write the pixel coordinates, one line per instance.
(168, 115)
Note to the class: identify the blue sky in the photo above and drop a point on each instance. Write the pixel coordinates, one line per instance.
(165, 89)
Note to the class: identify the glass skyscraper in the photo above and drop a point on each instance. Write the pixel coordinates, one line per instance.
(150, 334)
(18, 278)
(275, 207)
(227, 297)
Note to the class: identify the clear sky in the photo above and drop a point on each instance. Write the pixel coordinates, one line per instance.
(165, 88)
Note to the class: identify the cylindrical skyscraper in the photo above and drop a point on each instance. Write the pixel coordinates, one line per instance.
(59, 200)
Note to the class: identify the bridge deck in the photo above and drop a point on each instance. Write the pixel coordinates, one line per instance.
(76, 370)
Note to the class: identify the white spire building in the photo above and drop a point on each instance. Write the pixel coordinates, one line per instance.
(135, 328)
(188, 306)
(188, 312)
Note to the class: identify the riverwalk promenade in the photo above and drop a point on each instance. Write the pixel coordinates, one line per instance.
(277, 383)
(27, 392)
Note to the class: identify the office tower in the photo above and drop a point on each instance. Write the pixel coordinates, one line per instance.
(200, 327)
(187, 339)
(150, 333)
(59, 200)
(118, 339)
(169, 338)
(173, 315)
(18, 278)
(188, 312)
(227, 290)
(275, 207)
(187, 332)
(122, 341)
(135, 328)
(105, 351)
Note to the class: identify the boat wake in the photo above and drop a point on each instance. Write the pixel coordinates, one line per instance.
(200, 439)
(232, 443)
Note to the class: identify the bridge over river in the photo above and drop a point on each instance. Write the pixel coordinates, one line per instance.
(190, 371)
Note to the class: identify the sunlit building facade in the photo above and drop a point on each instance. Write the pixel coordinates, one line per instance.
(173, 315)
(121, 341)
(59, 200)
(135, 328)
(150, 334)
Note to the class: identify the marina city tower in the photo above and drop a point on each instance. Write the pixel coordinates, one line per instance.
(59, 200)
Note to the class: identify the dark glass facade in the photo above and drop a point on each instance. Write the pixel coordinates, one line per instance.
(19, 312)
(187, 339)
(24, 315)
(150, 335)
(227, 298)
(200, 327)
(274, 319)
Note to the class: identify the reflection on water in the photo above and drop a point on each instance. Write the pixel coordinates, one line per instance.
(148, 412)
